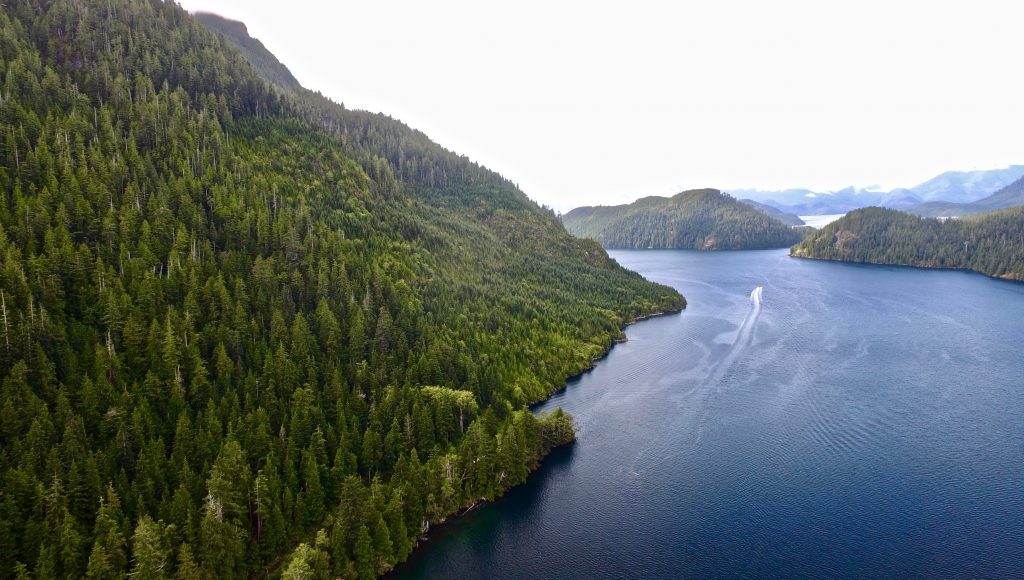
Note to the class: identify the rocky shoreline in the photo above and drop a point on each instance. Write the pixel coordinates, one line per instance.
(1006, 277)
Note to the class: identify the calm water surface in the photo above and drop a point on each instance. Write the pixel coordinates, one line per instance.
(857, 421)
(820, 221)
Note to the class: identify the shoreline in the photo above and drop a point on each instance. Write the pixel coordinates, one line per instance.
(458, 514)
(607, 351)
(1005, 278)
(706, 250)
(420, 544)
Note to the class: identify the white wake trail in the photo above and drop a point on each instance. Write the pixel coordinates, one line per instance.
(755, 296)
(744, 338)
(746, 333)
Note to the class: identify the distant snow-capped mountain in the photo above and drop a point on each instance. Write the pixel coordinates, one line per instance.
(951, 186)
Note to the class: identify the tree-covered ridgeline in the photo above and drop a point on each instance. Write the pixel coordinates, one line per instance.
(701, 219)
(989, 243)
(394, 155)
(244, 333)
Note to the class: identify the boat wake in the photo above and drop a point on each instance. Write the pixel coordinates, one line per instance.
(755, 295)
(698, 401)
(744, 338)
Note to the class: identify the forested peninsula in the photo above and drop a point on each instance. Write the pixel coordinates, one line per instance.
(989, 243)
(247, 332)
(701, 219)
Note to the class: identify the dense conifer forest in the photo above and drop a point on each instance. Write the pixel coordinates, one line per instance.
(701, 219)
(248, 332)
(990, 243)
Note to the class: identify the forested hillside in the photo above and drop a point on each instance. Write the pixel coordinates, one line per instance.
(247, 332)
(265, 63)
(701, 219)
(990, 243)
(790, 219)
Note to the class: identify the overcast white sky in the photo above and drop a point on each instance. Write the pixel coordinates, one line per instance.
(587, 102)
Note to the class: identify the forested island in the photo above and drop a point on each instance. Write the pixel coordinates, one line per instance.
(247, 332)
(700, 219)
(989, 243)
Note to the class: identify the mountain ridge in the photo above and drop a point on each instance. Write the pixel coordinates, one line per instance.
(790, 219)
(949, 186)
(1010, 196)
(262, 60)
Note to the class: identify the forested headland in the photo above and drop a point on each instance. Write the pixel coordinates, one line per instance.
(245, 331)
(701, 219)
(989, 243)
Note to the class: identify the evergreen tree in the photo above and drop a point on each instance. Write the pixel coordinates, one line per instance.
(187, 568)
(108, 558)
(309, 561)
(223, 550)
(365, 558)
(149, 552)
(312, 496)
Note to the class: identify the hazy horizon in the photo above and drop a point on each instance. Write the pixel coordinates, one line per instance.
(587, 104)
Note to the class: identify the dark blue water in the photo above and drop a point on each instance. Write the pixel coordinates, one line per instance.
(860, 422)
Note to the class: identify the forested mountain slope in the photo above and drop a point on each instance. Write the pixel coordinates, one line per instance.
(265, 63)
(990, 243)
(790, 219)
(392, 153)
(702, 219)
(246, 331)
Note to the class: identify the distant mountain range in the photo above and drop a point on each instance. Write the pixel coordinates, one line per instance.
(1010, 196)
(951, 187)
(790, 219)
(701, 219)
